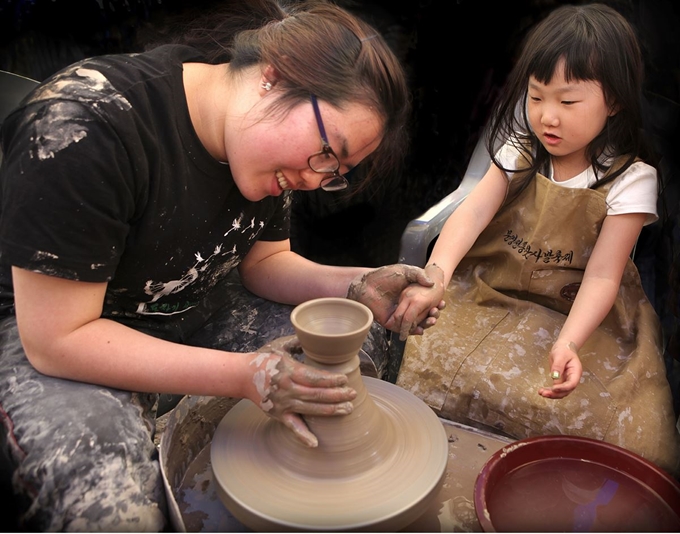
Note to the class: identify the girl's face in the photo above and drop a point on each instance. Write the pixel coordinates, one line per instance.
(269, 155)
(566, 117)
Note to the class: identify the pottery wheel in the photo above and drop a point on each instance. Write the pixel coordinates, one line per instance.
(269, 481)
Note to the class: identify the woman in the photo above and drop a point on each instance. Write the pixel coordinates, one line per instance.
(132, 186)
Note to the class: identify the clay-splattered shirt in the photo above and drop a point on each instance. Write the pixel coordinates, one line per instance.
(104, 179)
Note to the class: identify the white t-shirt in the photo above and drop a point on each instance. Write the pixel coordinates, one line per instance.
(635, 191)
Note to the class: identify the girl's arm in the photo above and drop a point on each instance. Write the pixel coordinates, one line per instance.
(594, 299)
(463, 227)
(458, 234)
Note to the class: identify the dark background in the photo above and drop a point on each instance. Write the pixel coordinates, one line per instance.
(457, 55)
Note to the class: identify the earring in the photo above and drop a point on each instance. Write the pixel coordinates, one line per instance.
(267, 86)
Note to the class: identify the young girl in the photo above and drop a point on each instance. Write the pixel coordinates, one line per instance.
(132, 186)
(543, 300)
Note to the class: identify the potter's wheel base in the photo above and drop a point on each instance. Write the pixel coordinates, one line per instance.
(265, 495)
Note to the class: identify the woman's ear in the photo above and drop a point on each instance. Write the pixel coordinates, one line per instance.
(269, 79)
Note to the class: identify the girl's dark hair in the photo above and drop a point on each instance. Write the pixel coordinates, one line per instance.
(597, 44)
(316, 47)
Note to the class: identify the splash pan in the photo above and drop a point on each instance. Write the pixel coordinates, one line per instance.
(574, 484)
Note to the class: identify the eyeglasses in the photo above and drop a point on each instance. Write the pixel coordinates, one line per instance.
(325, 161)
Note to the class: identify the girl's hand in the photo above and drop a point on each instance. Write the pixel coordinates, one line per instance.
(418, 309)
(381, 290)
(565, 370)
(286, 389)
(419, 306)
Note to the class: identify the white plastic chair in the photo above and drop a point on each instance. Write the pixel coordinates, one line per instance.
(421, 233)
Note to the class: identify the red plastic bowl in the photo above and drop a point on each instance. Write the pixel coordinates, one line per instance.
(574, 484)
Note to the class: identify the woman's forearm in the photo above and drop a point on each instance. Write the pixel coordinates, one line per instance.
(289, 278)
(110, 354)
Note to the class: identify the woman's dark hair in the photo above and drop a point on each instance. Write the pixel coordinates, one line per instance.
(597, 44)
(316, 48)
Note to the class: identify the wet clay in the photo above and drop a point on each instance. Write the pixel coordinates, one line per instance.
(377, 468)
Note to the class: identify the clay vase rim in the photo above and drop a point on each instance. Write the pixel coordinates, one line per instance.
(303, 307)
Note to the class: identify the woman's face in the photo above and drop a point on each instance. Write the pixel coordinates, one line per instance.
(268, 155)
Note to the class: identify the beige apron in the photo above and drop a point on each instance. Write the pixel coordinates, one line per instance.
(488, 355)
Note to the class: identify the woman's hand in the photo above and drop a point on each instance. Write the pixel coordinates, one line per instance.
(419, 305)
(565, 370)
(287, 389)
(381, 290)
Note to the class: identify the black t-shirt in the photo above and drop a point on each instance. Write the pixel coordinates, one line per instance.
(103, 178)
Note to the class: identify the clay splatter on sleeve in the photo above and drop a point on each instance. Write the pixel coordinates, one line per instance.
(65, 122)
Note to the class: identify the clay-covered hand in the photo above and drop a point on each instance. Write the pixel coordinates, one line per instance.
(286, 389)
(565, 370)
(419, 304)
(381, 289)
